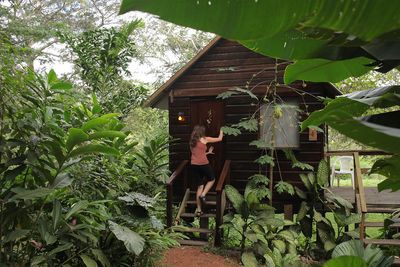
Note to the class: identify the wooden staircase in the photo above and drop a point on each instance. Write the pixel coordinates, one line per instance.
(361, 207)
(214, 210)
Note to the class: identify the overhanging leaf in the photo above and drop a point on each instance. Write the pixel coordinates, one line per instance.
(322, 70)
(88, 261)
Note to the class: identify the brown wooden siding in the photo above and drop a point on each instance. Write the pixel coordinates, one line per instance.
(226, 65)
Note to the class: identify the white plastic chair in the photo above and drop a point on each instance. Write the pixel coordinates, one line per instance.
(346, 164)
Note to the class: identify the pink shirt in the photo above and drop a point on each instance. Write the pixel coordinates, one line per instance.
(199, 156)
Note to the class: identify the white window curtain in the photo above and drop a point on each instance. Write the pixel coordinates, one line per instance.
(280, 124)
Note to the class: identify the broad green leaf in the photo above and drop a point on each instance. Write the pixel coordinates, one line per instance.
(302, 211)
(234, 197)
(322, 70)
(243, 20)
(88, 261)
(93, 149)
(280, 245)
(101, 257)
(373, 256)
(348, 261)
(107, 134)
(269, 261)
(323, 173)
(60, 248)
(62, 180)
(45, 234)
(249, 259)
(97, 122)
(15, 235)
(61, 86)
(306, 182)
(389, 167)
(57, 151)
(75, 137)
(133, 242)
(51, 77)
(76, 208)
(32, 194)
(381, 130)
(300, 193)
(56, 213)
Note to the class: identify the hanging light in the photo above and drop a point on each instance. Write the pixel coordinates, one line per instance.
(181, 117)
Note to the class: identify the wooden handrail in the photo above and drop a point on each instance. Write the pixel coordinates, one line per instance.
(177, 172)
(170, 194)
(223, 176)
(351, 153)
(359, 186)
(223, 179)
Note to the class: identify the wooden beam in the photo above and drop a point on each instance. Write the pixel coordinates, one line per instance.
(360, 152)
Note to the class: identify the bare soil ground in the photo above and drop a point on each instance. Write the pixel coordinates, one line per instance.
(186, 256)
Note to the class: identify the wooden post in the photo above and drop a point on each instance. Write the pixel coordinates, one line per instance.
(169, 205)
(288, 211)
(271, 177)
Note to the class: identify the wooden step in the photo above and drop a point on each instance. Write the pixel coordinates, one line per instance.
(383, 242)
(381, 224)
(196, 230)
(211, 193)
(192, 215)
(193, 242)
(376, 209)
(209, 203)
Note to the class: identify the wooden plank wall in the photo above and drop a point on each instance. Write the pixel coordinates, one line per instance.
(226, 65)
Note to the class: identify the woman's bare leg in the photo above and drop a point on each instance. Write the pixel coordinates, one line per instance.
(198, 194)
(207, 188)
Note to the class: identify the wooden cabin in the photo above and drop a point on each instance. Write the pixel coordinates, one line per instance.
(190, 97)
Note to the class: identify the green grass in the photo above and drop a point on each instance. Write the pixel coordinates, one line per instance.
(372, 217)
(368, 180)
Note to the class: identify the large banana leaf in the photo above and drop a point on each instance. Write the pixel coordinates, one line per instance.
(343, 114)
(247, 20)
(315, 30)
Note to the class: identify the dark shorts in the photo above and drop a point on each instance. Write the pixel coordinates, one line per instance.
(200, 174)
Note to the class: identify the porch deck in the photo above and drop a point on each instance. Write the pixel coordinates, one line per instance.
(377, 202)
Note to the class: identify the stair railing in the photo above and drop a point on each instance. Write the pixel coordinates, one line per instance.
(224, 179)
(170, 192)
(360, 201)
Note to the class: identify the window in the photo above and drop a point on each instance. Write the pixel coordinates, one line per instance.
(280, 124)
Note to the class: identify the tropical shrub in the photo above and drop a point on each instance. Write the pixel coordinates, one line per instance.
(63, 165)
(264, 237)
(310, 218)
(373, 256)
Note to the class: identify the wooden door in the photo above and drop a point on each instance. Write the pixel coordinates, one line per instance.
(210, 113)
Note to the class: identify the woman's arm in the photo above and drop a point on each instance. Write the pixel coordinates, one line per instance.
(215, 139)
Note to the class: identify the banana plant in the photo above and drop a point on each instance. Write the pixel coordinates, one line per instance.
(273, 240)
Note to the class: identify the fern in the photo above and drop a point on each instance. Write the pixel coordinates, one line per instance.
(248, 125)
(230, 131)
(282, 187)
(265, 159)
(260, 144)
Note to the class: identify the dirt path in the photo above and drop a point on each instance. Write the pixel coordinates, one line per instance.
(194, 257)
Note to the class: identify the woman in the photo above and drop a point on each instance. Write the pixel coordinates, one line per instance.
(200, 165)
